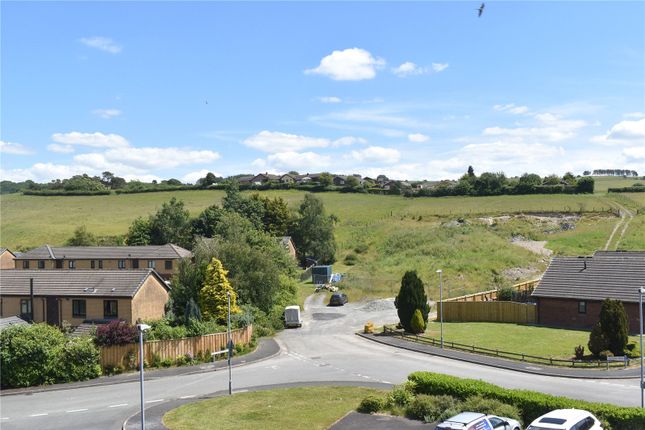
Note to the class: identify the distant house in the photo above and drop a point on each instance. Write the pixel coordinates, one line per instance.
(163, 258)
(382, 179)
(308, 177)
(83, 295)
(245, 180)
(288, 245)
(263, 178)
(573, 288)
(287, 179)
(339, 180)
(7, 259)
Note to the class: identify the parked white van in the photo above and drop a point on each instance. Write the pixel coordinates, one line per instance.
(292, 316)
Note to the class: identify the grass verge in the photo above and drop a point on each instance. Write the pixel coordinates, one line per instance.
(305, 408)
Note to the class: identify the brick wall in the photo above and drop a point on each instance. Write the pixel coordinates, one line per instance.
(564, 313)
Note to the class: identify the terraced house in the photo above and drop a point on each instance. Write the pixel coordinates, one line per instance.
(164, 259)
(78, 296)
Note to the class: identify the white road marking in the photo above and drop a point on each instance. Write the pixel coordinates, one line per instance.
(155, 401)
(187, 397)
(386, 382)
(241, 391)
(4, 418)
(38, 415)
(76, 410)
(118, 406)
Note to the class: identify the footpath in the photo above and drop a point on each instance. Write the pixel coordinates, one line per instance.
(519, 366)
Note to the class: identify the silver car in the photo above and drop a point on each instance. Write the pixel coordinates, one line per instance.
(477, 421)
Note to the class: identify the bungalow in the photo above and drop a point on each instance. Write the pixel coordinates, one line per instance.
(287, 179)
(263, 178)
(163, 258)
(339, 180)
(245, 180)
(7, 259)
(573, 288)
(82, 296)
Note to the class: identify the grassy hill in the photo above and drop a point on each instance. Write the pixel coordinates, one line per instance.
(468, 237)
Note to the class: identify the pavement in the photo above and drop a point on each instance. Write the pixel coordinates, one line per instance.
(266, 349)
(519, 366)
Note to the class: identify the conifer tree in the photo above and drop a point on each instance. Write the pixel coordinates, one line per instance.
(410, 298)
(212, 297)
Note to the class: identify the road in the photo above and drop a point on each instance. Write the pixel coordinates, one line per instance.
(324, 349)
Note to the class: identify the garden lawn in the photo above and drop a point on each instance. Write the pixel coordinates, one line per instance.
(305, 408)
(521, 339)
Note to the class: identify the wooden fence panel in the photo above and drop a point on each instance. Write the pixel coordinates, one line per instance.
(485, 296)
(128, 355)
(507, 312)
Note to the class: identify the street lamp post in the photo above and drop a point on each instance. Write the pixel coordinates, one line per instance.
(142, 328)
(441, 305)
(641, 291)
(229, 345)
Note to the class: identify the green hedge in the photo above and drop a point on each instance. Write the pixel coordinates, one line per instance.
(66, 193)
(530, 403)
(633, 189)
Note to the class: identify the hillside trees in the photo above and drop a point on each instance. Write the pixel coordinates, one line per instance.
(171, 224)
(139, 232)
(411, 297)
(82, 237)
(313, 232)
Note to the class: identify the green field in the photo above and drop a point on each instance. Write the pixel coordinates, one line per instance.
(306, 408)
(386, 235)
(544, 341)
(602, 183)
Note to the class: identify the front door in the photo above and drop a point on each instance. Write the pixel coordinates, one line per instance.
(52, 311)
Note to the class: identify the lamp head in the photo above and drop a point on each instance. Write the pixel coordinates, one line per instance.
(143, 327)
(439, 271)
(641, 290)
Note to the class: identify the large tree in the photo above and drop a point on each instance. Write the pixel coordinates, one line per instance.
(171, 224)
(138, 233)
(412, 296)
(213, 297)
(82, 237)
(314, 231)
(614, 325)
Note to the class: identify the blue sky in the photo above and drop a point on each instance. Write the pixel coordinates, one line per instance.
(414, 90)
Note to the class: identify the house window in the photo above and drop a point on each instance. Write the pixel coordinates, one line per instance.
(151, 264)
(78, 309)
(41, 264)
(59, 264)
(168, 265)
(72, 264)
(100, 264)
(582, 307)
(110, 309)
(92, 263)
(121, 264)
(25, 264)
(25, 309)
(135, 264)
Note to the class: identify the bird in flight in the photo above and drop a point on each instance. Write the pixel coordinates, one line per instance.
(481, 10)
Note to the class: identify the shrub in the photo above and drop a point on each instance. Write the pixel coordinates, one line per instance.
(604, 354)
(361, 249)
(350, 259)
(370, 404)
(579, 352)
(491, 406)
(401, 395)
(432, 408)
(531, 404)
(597, 341)
(116, 333)
(505, 294)
(166, 362)
(79, 360)
(29, 355)
(417, 324)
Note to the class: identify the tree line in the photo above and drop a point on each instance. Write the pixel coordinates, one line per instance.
(612, 172)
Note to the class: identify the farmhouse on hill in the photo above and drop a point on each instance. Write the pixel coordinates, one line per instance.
(163, 258)
(78, 296)
(573, 288)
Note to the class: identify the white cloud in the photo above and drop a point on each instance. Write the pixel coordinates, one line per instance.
(275, 142)
(353, 64)
(439, 67)
(511, 108)
(636, 115)
(102, 43)
(330, 100)
(107, 113)
(147, 158)
(305, 161)
(376, 154)
(635, 153)
(43, 172)
(95, 140)
(549, 127)
(418, 138)
(624, 132)
(61, 149)
(408, 69)
(193, 177)
(13, 148)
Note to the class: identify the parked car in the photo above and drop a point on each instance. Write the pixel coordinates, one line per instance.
(566, 419)
(292, 316)
(338, 299)
(478, 421)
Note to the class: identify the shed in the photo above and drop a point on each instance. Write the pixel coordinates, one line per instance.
(321, 274)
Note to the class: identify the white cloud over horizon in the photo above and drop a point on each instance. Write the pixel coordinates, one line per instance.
(60, 149)
(408, 69)
(511, 108)
(14, 148)
(353, 64)
(101, 43)
(418, 137)
(330, 100)
(107, 113)
(279, 142)
(624, 132)
(376, 154)
(94, 140)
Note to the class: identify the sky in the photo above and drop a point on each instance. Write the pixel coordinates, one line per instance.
(413, 90)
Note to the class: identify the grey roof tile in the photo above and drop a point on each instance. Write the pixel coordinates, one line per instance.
(46, 252)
